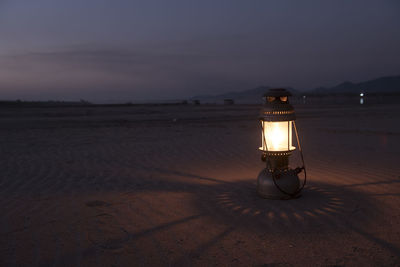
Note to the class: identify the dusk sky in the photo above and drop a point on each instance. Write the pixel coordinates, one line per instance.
(107, 51)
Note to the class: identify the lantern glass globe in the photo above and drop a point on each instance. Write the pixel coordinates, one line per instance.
(277, 136)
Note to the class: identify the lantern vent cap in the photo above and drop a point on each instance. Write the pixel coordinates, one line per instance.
(277, 107)
(277, 92)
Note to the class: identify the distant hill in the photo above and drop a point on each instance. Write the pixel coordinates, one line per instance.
(383, 85)
(389, 85)
(242, 97)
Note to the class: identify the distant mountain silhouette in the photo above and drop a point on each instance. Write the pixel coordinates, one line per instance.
(383, 85)
(243, 97)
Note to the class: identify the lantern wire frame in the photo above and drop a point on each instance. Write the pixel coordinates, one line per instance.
(274, 174)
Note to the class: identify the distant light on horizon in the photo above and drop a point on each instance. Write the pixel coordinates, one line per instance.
(361, 94)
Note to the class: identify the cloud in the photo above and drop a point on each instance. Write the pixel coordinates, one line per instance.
(96, 72)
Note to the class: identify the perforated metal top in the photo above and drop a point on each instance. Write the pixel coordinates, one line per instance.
(277, 107)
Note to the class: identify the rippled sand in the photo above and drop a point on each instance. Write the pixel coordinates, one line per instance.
(175, 185)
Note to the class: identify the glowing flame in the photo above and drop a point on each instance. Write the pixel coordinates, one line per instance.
(278, 136)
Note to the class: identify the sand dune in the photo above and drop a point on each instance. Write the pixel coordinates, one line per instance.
(175, 185)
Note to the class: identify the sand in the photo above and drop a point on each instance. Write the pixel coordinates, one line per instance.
(175, 185)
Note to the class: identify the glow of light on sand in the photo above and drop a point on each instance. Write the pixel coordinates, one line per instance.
(278, 136)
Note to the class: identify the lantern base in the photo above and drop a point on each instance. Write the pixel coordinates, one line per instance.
(285, 186)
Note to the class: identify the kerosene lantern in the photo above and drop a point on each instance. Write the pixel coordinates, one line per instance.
(277, 118)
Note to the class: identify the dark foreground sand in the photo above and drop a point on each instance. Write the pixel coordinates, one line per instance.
(148, 186)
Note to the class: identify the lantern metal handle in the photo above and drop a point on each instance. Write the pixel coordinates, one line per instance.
(297, 170)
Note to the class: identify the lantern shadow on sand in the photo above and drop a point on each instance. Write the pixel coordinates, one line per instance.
(236, 206)
(323, 206)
